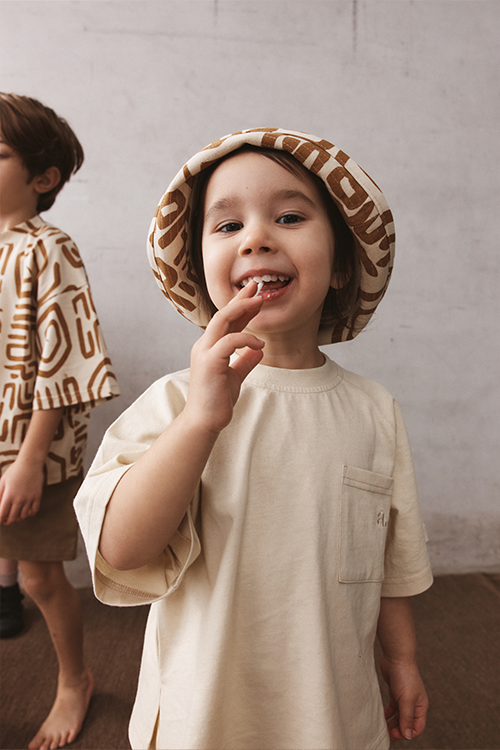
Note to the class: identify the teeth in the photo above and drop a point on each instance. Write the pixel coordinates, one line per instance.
(265, 278)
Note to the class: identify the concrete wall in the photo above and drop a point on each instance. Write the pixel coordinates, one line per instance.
(408, 89)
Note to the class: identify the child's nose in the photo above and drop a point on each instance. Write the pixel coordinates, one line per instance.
(255, 240)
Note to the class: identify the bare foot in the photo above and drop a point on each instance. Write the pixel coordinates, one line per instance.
(66, 715)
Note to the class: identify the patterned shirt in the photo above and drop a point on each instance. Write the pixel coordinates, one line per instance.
(52, 350)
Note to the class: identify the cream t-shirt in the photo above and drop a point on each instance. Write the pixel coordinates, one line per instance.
(265, 605)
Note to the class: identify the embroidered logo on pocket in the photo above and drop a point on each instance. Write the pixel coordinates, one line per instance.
(381, 518)
(364, 513)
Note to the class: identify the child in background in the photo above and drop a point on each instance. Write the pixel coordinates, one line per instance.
(264, 501)
(54, 368)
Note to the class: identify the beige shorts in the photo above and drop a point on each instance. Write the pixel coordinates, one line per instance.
(50, 535)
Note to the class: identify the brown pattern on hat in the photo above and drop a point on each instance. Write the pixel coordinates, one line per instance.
(359, 199)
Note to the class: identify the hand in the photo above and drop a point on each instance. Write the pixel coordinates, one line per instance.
(215, 383)
(406, 711)
(21, 489)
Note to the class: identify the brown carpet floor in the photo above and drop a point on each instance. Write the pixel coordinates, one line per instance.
(458, 626)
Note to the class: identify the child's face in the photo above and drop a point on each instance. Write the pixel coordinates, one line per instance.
(262, 221)
(17, 194)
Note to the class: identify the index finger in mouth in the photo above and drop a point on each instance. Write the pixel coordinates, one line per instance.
(247, 291)
(235, 316)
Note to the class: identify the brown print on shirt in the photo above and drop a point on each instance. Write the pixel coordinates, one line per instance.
(53, 353)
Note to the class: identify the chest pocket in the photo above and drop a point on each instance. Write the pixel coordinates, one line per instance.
(364, 516)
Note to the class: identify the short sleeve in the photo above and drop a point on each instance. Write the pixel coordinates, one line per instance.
(407, 567)
(73, 366)
(123, 445)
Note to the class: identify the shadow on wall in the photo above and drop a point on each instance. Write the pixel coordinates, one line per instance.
(463, 545)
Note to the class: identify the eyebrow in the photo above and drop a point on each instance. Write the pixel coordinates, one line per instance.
(224, 203)
(220, 205)
(293, 194)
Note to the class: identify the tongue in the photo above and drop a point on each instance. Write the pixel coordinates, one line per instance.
(272, 286)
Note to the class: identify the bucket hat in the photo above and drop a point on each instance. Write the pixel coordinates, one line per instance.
(359, 199)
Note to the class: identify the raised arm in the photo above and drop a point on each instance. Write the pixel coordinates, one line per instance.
(406, 711)
(150, 500)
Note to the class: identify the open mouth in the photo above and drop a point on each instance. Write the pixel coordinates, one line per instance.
(268, 282)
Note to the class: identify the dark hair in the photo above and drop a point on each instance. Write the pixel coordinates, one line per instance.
(42, 140)
(339, 303)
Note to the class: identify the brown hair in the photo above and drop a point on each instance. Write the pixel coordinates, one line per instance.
(42, 140)
(339, 303)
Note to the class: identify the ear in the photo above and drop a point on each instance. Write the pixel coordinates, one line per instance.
(42, 183)
(339, 279)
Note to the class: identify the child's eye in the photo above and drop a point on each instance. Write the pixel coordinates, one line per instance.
(290, 219)
(231, 226)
